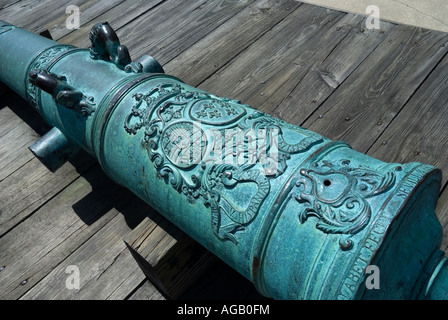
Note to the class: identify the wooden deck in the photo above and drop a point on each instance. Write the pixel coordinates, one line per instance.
(383, 91)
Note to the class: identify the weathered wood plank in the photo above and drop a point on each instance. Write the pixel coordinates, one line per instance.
(39, 244)
(8, 121)
(372, 96)
(21, 110)
(419, 132)
(118, 16)
(15, 139)
(31, 186)
(171, 260)
(175, 26)
(105, 265)
(268, 64)
(322, 79)
(52, 15)
(25, 183)
(223, 44)
(88, 11)
(7, 3)
(37, 16)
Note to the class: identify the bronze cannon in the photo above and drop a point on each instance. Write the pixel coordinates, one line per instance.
(301, 216)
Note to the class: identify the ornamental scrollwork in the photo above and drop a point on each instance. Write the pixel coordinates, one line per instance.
(184, 132)
(337, 194)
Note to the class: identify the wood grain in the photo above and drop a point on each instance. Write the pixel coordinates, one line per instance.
(419, 132)
(377, 90)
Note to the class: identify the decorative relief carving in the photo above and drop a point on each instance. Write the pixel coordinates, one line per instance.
(336, 194)
(216, 112)
(183, 143)
(372, 241)
(184, 132)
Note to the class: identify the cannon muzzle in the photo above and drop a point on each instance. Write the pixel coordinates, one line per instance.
(301, 216)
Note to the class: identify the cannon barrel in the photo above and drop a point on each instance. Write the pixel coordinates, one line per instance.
(301, 216)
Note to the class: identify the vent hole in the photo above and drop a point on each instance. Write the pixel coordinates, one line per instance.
(327, 183)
